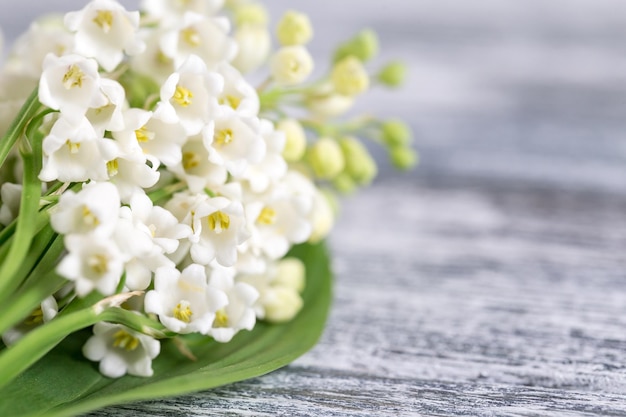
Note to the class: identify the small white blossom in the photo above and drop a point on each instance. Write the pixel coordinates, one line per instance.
(109, 116)
(254, 47)
(235, 142)
(92, 210)
(70, 84)
(92, 263)
(291, 65)
(273, 166)
(158, 140)
(239, 314)
(206, 37)
(75, 153)
(190, 96)
(42, 314)
(104, 31)
(121, 350)
(173, 10)
(130, 172)
(153, 62)
(44, 36)
(282, 217)
(196, 168)
(238, 94)
(10, 195)
(183, 300)
(218, 226)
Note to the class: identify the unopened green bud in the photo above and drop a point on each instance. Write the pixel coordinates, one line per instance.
(295, 139)
(294, 29)
(290, 273)
(364, 46)
(326, 158)
(281, 304)
(359, 163)
(393, 74)
(403, 158)
(344, 183)
(396, 133)
(349, 77)
(251, 14)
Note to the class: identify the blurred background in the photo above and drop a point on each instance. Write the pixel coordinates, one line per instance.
(523, 89)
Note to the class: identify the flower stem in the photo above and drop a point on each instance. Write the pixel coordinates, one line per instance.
(28, 110)
(26, 223)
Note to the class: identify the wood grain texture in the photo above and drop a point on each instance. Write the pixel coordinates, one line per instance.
(492, 281)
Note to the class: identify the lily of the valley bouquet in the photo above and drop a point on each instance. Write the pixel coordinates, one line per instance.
(152, 196)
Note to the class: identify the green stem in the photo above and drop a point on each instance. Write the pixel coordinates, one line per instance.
(28, 110)
(26, 222)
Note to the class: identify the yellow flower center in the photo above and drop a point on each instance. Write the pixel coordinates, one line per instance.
(190, 160)
(267, 216)
(35, 318)
(98, 263)
(113, 167)
(182, 311)
(231, 101)
(163, 59)
(143, 134)
(104, 19)
(73, 77)
(223, 137)
(124, 340)
(89, 218)
(182, 96)
(221, 319)
(190, 36)
(73, 146)
(218, 221)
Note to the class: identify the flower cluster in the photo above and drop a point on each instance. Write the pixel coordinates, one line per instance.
(166, 172)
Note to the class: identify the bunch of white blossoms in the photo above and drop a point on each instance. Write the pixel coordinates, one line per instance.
(153, 169)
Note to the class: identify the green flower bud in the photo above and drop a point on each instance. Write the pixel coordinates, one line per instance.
(393, 74)
(326, 158)
(359, 163)
(349, 77)
(295, 139)
(344, 183)
(403, 158)
(281, 304)
(290, 273)
(363, 46)
(294, 29)
(396, 133)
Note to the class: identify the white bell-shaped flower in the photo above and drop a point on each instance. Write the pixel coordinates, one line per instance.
(173, 10)
(93, 210)
(184, 302)
(104, 31)
(155, 138)
(235, 142)
(189, 96)
(196, 168)
(70, 84)
(255, 44)
(10, 196)
(109, 116)
(238, 94)
(47, 310)
(239, 314)
(75, 153)
(121, 350)
(272, 167)
(206, 37)
(92, 263)
(282, 216)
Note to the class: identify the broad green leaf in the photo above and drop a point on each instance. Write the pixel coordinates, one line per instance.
(64, 383)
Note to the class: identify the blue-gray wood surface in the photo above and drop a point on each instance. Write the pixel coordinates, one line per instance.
(492, 280)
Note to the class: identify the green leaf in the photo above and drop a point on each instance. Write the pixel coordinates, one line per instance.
(64, 383)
